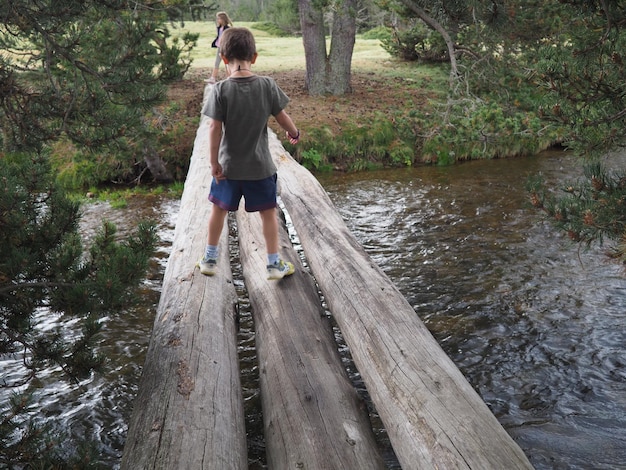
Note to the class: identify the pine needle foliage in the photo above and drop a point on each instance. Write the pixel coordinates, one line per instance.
(44, 265)
(583, 70)
(590, 210)
(87, 73)
(45, 268)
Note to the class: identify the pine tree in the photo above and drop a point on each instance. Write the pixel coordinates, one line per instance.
(85, 71)
(44, 265)
(572, 52)
(583, 69)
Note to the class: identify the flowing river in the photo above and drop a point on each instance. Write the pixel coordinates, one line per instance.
(536, 323)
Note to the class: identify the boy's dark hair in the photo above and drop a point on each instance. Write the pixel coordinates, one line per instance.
(237, 44)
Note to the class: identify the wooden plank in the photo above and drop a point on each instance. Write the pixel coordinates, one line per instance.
(189, 410)
(313, 417)
(433, 416)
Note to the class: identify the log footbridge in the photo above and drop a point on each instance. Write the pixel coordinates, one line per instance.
(189, 414)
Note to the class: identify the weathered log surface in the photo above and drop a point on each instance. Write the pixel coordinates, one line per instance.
(433, 416)
(189, 410)
(313, 417)
(188, 414)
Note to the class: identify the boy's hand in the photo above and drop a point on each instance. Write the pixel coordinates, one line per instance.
(216, 172)
(294, 139)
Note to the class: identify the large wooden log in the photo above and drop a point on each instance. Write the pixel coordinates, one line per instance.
(433, 416)
(313, 417)
(189, 410)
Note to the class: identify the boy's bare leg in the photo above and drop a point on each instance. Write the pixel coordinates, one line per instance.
(216, 224)
(270, 230)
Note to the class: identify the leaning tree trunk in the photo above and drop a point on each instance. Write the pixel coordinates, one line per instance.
(328, 74)
(434, 24)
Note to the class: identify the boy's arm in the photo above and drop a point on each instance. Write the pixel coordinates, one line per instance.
(285, 121)
(215, 136)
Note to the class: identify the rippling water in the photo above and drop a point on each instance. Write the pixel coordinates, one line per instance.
(98, 408)
(537, 325)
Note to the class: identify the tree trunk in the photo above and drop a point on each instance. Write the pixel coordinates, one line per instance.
(434, 24)
(433, 416)
(328, 74)
(155, 164)
(189, 413)
(312, 415)
(314, 41)
(341, 48)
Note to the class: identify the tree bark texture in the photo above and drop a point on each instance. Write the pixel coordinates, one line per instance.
(433, 416)
(313, 417)
(328, 73)
(188, 413)
(341, 47)
(314, 41)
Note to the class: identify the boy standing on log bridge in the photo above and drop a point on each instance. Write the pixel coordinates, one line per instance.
(241, 163)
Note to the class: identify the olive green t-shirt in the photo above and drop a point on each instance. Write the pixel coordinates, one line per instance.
(244, 105)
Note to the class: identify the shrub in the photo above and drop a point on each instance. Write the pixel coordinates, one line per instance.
(416, 43)
(380, 32)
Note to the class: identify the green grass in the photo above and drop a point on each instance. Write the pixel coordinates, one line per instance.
(274, 52)
(287, 53)
(428, 132)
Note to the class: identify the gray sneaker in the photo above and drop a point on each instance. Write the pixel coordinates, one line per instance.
(279, 270)
(208, 267)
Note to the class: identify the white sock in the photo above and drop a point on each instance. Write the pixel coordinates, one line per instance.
(211, 252)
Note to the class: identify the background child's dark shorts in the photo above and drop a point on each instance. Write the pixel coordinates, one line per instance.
(259, 195)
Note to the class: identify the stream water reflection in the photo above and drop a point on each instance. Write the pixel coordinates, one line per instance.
(535, 324)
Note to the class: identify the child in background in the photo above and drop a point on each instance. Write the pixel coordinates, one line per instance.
(223, 23)
(241, 163)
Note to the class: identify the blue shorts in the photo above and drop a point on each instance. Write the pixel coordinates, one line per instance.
(259, 195)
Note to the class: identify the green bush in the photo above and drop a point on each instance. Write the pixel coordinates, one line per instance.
(416, 43)
(483, 130)
(380, 32)
(360, 146)
(280, 18)
(311, 159)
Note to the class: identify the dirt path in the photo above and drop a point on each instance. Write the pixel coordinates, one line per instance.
(371, 97)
